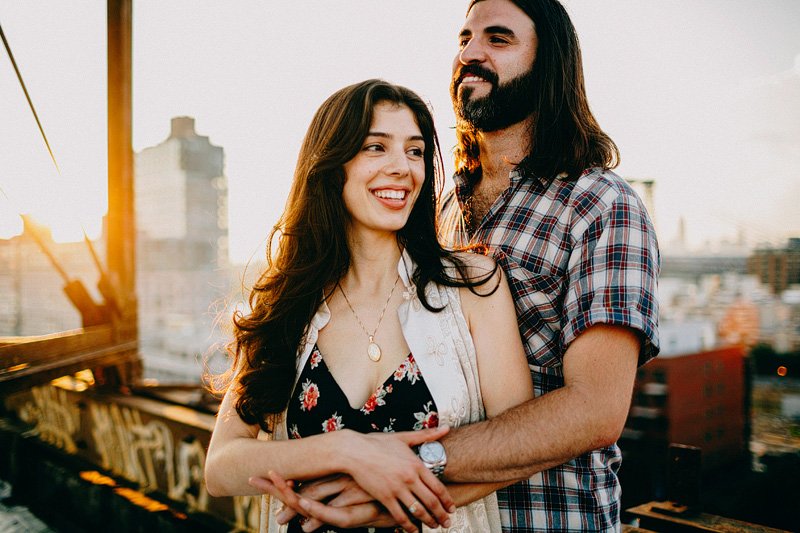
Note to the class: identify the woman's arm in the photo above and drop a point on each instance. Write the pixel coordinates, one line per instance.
(235, 456)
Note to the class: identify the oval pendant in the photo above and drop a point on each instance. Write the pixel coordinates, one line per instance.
(374, 352)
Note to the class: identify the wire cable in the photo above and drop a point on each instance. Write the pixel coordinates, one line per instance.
(28, 97)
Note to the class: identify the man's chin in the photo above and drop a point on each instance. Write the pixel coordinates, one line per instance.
(470, 93)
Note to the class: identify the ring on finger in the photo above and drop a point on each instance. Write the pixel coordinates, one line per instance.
(413, 508)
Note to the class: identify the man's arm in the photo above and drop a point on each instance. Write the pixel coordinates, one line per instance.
(589, 412)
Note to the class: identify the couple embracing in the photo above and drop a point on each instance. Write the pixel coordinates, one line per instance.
(466, 362)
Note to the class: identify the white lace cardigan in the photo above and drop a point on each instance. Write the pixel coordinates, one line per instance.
(444, 351)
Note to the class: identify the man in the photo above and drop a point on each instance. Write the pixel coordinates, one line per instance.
(580, 254)
(581, 258)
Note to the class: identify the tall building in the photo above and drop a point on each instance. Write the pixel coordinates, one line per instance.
(644, 188)
(182, 251)
(777, 267)
(182, 201)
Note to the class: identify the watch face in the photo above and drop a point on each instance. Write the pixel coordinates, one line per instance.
(432, 452)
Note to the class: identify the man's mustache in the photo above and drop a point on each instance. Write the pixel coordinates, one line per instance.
(475, 70)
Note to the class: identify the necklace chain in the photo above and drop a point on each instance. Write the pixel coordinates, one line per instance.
(373, 350)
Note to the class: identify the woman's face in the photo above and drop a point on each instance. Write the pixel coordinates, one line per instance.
(383, 180)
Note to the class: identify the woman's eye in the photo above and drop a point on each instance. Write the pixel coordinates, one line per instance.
(416, 152)
(373, 148)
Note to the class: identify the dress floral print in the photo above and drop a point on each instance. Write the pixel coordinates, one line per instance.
(309, 396)
(401, 403)
(332, 424)
(377, 399)
(408, 369)
(427, 418)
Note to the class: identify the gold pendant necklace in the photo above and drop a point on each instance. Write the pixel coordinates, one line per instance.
(373, 350)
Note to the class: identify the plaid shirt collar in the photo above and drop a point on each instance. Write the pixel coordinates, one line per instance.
(464, 181)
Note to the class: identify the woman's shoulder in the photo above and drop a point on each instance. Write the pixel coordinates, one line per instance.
(475, 264)
(479, 271)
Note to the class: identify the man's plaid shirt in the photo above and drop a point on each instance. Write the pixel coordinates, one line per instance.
(576, 253)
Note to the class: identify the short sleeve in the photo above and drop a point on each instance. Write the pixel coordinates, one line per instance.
(613, 270)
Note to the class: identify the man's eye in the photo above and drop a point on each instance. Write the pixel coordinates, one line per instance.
(497, 40)
(463, 42)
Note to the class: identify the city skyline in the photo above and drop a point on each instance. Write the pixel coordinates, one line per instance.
(702, 97)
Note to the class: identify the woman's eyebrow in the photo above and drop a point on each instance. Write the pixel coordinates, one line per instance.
(389, 136)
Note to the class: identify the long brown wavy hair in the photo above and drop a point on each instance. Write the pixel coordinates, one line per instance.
(565, 136)
(311, 252)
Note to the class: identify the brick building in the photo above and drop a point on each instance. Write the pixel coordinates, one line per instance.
(777, 267)
(697, 399)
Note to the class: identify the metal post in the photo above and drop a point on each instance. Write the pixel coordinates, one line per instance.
(121, 233)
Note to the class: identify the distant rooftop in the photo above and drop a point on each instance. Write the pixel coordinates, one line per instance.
(182, 127)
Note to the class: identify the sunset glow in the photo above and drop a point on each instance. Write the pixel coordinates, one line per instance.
(702, 97)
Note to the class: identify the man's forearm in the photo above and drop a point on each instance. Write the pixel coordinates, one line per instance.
(526, 439)
(586, 414)
(466, 493)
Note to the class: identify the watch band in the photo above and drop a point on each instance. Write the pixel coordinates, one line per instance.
(436, 470)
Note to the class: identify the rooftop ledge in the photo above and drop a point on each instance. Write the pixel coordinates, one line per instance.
(107, 445)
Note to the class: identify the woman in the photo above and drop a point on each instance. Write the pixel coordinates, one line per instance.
(358, 289)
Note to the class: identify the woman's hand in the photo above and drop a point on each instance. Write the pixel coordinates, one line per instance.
(384, 465)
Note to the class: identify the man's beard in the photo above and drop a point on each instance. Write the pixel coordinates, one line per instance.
(504, 106)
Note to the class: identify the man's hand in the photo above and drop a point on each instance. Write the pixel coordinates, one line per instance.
(350, 506)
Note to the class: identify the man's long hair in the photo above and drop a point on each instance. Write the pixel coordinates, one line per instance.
(565, 136)
(311, 247)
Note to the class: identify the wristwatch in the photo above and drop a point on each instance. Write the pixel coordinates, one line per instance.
(433, 456)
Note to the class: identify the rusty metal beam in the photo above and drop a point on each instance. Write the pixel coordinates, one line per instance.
(121, 222)
(29, 361)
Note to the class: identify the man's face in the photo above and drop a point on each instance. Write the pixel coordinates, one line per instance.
(492, 72)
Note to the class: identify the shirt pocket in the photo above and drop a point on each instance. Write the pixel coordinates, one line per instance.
(533, 291)
(538, 298)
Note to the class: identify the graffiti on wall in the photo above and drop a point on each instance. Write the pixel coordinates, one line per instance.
(141, 451)
(144, 452)
(56, 419)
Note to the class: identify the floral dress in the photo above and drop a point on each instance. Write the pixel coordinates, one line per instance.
(402, 402)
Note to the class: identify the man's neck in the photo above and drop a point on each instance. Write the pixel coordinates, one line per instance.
(500, 151)
(504, 149)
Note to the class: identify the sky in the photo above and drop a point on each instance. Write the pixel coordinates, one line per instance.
(702, 96)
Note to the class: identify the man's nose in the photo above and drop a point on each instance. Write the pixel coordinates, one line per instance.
(472, 52)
